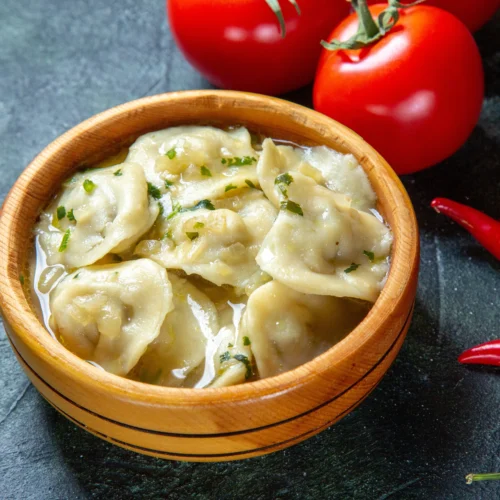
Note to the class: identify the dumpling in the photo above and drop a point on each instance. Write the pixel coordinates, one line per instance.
(285, 328)
(180, 347)
(319, 246)
(196, 163)
(340, 173)
(110, 314)
(100, 211)
(215, 244)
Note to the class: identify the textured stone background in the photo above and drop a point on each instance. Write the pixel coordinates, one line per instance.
(429, 422)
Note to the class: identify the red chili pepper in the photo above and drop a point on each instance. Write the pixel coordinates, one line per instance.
(482, 354)
(485, 229)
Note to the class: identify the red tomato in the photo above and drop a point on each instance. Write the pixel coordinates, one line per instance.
(415, 95)
(473, 13)
(236, 44)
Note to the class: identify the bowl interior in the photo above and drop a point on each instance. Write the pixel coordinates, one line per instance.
(106, 133)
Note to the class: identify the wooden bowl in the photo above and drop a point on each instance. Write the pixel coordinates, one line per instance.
(205, 424)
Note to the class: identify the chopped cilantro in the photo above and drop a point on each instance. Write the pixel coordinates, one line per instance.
(64, 241)
(285, 178)
(243, 359)
(293, 207)
(175, 210)
(192, 235)
(229, 187)
(201, 204)
(21, 279)
(168, 184)
(71, 216)
(154, 191)
(199, 225)
(351, 268)
(246, 340)
(88, 185)
(204, 171)
(76, 276)
(370, 255)
(61, 213)
(118, 173)
(225, 357)
(250, 184)
(238, 162)
(171, 153)
(160, 206)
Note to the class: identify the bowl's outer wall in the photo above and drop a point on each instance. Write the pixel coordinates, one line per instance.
(209, 424)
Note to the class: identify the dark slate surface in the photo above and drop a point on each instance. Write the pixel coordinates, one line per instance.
(429, 422)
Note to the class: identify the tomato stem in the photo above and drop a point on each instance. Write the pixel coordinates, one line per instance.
(369, 29)
(276, 8)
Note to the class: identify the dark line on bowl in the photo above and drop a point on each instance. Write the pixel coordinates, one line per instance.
(222, 434)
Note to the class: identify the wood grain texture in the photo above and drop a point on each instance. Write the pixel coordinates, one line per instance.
(209, 424)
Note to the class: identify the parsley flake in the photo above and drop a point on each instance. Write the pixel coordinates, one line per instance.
(88, 185)
(370, 255)
(167, 235)
(243, 359)
(154, 191)
(225, 357)
(201, 204)
(171, 153)
(285, 178)
(71, 216)
(192, 235)
(238, 162)
(293, 207)
(223, 161)
(351, 268)
(118, 173)
(246, 340)
(64, 241)
(250, 184)
(61, 213)
(204, 171)
(160, 206)
(229, 187)
(168, 184)
(76, 276)
(199, 225)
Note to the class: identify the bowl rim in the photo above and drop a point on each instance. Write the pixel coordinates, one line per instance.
(34, 334)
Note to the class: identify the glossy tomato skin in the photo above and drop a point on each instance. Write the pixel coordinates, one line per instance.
(236, 44)
(415, 95)
(473, 13)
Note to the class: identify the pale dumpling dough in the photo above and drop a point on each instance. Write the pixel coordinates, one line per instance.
(180, 347)
(196, 162)
(286, 328)
(109, 217)
(110, 314)
(313, 252)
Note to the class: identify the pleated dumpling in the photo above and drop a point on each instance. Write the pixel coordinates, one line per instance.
(99, 211)
(320, 246)
(179, 349)
(340, 173)
(110, 314)
(194, 163)
(285, 328)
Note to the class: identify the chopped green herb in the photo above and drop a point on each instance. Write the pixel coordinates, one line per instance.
(225, 357)
(370, 255)
(293, 207)
(168, 184)
(117, 258)
(21, 279)
(285, 178)
(76, 276)
(171, 153)
(351, 268)
(154, 191)
(229, 187)
(192, 235)
(167, 235)
(230, 345)
(243, 359)
(61, 213)
(88, 185)
(199, 225)
(176, 208)
(71, 216)
(204, 171)
(250, 184)
(160, 206)
(201, 204)
(118, 173)
(238, 162)
(64, 241)
(246, 340)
